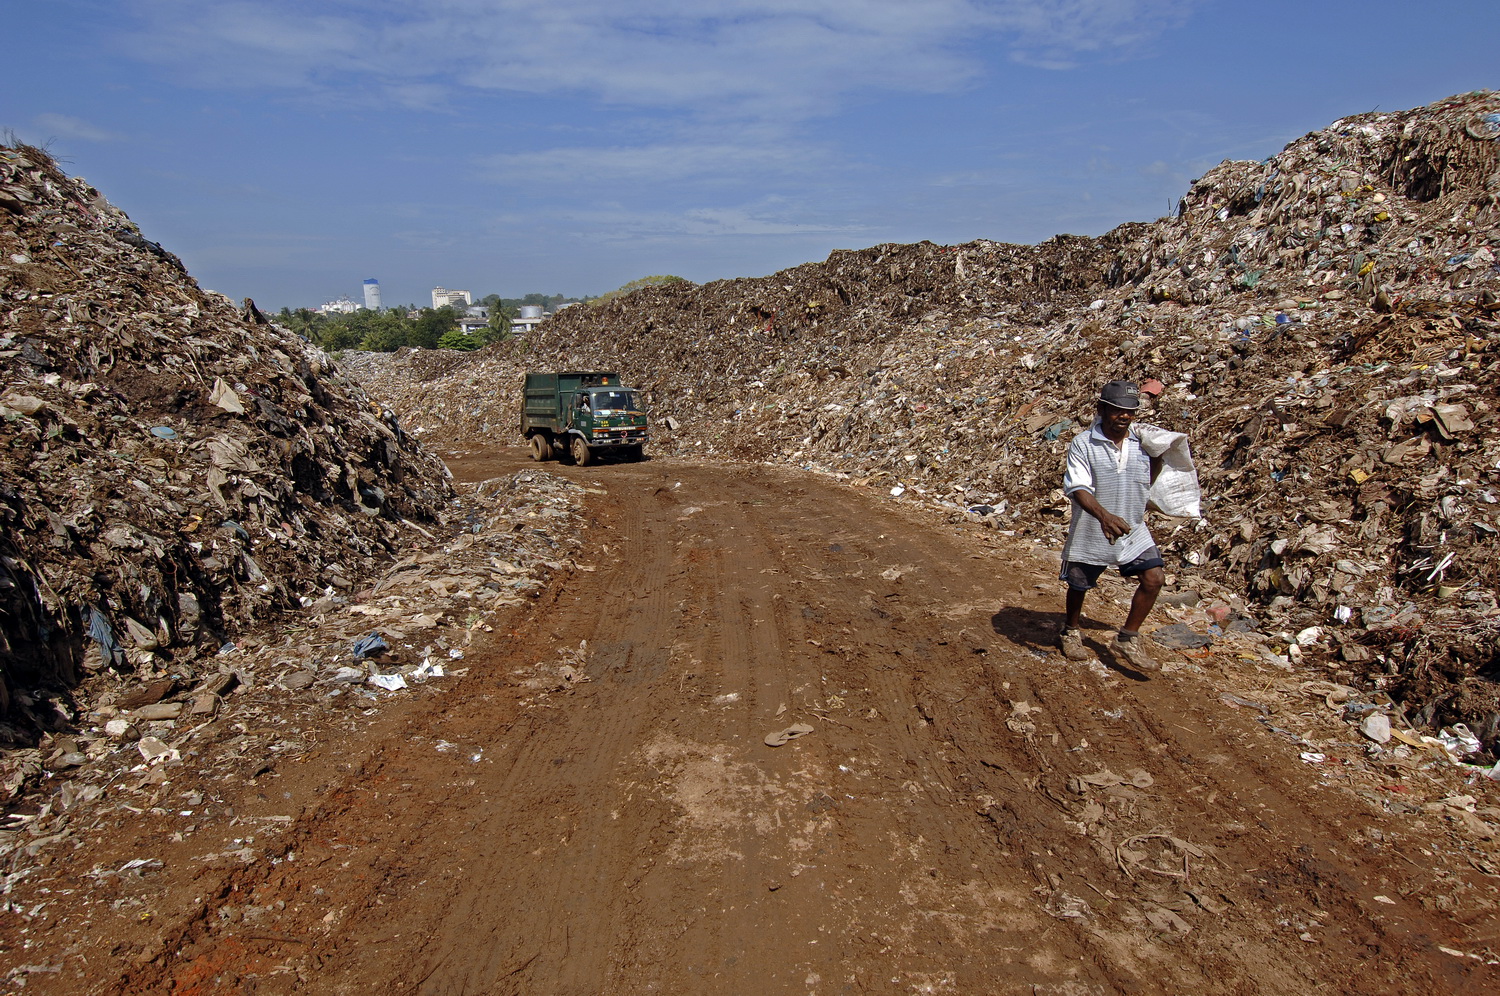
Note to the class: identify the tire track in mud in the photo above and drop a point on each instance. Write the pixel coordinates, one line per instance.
(633, 834)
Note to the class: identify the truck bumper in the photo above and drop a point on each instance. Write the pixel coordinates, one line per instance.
(610, 440)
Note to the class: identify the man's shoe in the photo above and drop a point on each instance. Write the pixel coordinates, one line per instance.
(1133, 649)
(1070, 641)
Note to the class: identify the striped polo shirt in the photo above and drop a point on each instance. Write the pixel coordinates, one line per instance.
(1119, 478)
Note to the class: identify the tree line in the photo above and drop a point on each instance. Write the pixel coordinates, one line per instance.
(390, 329)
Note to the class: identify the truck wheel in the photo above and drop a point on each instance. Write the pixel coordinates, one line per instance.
(541, 449)
(582, 455)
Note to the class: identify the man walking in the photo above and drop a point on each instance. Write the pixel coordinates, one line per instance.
(1107, 477)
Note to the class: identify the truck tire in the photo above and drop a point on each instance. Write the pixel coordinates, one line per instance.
(541, 447)
(582, 455)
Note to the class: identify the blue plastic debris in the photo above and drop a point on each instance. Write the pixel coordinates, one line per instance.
(163, 432)
(369, 646)
(1056, 429)
(104, 635)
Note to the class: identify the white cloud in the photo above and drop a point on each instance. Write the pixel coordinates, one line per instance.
(765, 218)
(754, 59)
(63, 126)
(744, 221)
(650, 163)
(1061, 34)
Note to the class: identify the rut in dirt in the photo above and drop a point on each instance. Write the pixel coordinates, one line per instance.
(595, 808)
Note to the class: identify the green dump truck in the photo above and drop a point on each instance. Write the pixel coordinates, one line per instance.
(580, 415)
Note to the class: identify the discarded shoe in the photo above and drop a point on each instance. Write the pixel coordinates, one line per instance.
(1133, 649)
(1070, 641)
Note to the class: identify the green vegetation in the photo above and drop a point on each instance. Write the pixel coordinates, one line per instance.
(635, 285)
(547, 302)
(391, 329)
(426, 328)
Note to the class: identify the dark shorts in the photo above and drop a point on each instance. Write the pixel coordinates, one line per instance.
(1082, 577)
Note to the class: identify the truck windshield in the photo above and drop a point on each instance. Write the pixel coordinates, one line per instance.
(614, 401)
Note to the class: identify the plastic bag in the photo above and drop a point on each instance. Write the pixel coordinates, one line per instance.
(1175, 491)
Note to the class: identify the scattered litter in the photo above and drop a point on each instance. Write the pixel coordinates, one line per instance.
(1377, 727)
(1066, 906)
(369, 646)
(155, 751)
(390, 682)
(1180, 636)
(791, 733)
(1240, 702)
(429, 668)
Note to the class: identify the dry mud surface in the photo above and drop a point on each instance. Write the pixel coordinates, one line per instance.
(592, 808)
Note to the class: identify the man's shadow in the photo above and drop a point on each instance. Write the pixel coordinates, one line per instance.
(1028, 627)
(1037, 631)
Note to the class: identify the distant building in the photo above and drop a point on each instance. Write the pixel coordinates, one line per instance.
(471, 325)
(442, 297)
(532, 315)
(372, 295)
(343, 306)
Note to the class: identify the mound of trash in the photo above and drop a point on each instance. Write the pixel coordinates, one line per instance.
(1323, 324)
(173, 470)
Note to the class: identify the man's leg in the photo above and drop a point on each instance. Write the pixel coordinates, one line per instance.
(1075, 608)
(1070, 638)
(1128, 642)
(1144, 599)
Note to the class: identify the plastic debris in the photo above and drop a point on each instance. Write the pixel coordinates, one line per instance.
(369, 646)
(787, 735)
(390, 682)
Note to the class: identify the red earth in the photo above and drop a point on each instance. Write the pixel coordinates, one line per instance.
(593, 807)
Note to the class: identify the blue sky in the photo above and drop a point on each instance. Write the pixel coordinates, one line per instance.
(288, 149)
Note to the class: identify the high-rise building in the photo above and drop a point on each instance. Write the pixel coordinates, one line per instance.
(372, 294)
(442, 296)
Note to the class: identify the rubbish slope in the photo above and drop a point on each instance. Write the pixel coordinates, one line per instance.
(175, 471)
(1324, 324)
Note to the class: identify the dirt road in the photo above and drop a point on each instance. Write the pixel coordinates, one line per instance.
(593, 808)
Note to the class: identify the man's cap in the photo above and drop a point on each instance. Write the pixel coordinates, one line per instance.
(1121, 394)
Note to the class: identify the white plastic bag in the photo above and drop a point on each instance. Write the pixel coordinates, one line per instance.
(1133, 545)
(1175, 491)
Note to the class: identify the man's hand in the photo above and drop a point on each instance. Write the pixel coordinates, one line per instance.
(1114, 527)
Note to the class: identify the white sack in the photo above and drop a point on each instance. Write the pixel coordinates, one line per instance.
(1176, 491)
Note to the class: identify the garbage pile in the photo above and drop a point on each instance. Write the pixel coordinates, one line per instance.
(405, 631)
(176, 470)
(1323, 323)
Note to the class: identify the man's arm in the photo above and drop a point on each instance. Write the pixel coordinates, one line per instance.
(1114, 527)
